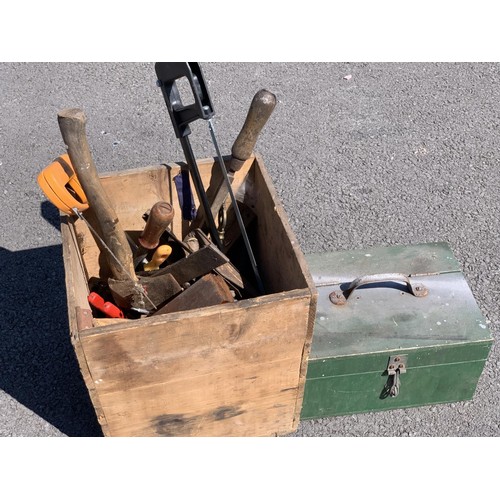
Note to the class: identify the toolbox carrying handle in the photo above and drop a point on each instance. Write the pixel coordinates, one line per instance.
(339, 297)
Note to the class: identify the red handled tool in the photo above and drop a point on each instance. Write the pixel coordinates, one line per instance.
(109, 309)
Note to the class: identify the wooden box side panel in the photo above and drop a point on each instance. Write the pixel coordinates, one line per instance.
(231, 370)
(76, 292)
(277, 243)
(278, 253)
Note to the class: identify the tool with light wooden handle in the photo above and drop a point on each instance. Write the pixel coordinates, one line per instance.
(261, 108)
(72, 123)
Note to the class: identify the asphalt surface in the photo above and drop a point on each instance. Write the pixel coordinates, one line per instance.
(395, 154)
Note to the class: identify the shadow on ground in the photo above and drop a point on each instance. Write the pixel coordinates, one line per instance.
(38, 366)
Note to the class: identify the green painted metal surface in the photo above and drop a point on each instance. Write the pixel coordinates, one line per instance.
(443, 334)
(362, 392)
(427, 258)
(417, 357)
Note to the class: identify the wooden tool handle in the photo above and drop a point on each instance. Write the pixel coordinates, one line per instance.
(72, 125)
(260, 110)
(160, 217)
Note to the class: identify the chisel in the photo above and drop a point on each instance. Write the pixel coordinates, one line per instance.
(160, 217)
(159, 257)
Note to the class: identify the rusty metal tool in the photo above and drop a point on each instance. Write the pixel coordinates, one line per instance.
(194, 265)
(196, 240)
(228, 271)
(158, 290)
(209, 290)
(181, 116)
(236, 209)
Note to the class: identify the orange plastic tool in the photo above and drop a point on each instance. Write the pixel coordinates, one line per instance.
(60, 184)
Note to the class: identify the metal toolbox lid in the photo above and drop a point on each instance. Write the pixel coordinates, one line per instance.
(386, 316)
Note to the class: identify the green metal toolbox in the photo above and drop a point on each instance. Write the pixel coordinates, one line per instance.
(395, 327)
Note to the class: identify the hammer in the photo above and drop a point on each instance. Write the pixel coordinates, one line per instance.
(128, 290)
(72, 125)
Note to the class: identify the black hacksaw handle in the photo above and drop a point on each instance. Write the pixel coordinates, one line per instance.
(181, 115)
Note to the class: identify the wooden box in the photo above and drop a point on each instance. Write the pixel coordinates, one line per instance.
(235, 369)
(435, 331)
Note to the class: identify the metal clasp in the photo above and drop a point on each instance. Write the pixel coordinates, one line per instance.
(395, 367)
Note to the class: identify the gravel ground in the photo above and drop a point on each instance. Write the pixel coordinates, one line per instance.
(396, 154)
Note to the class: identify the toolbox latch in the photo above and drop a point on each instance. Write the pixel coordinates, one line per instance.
(395, 367)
